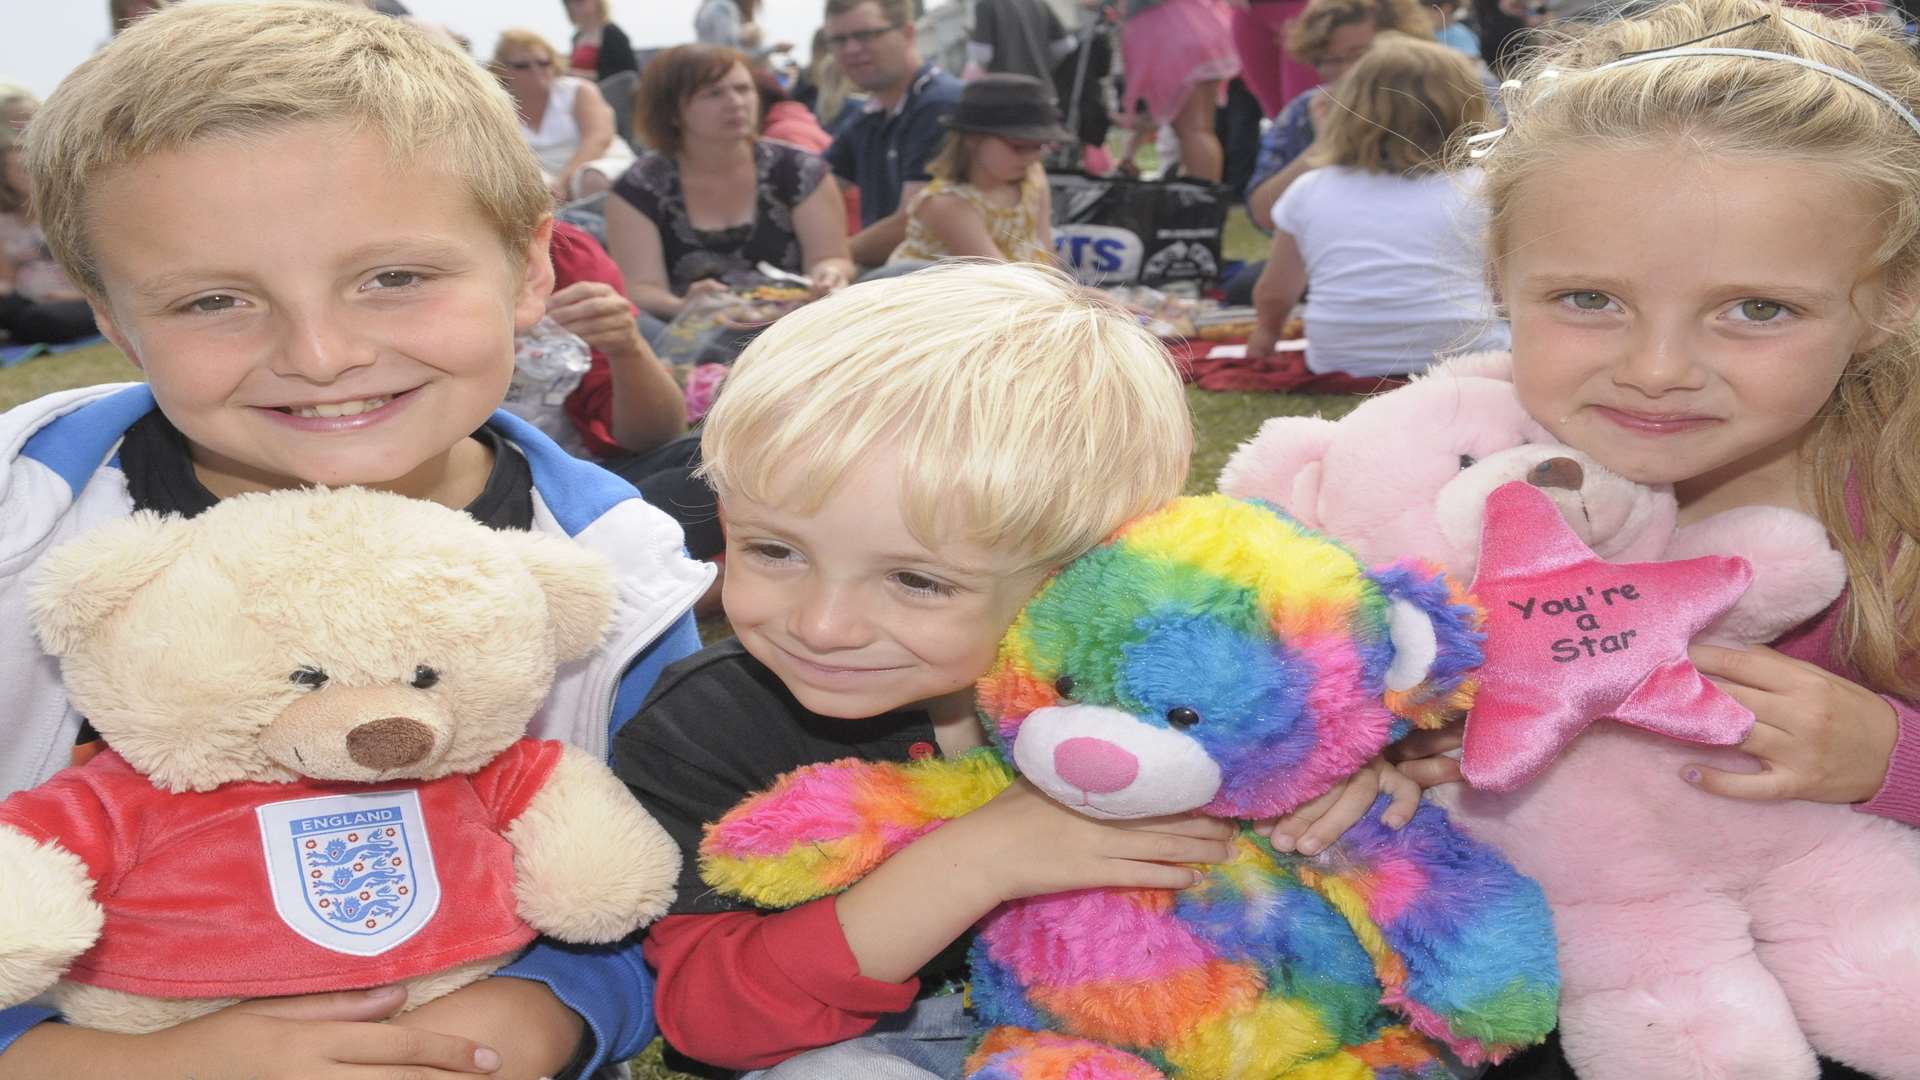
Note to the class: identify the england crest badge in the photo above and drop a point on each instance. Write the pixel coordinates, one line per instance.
(351, 873)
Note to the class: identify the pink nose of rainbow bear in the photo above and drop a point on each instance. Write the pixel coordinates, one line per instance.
(1094, 765)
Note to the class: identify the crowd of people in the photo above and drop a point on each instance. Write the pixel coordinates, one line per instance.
(1695, 225)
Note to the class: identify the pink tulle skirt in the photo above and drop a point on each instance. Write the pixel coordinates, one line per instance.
(1169, 47)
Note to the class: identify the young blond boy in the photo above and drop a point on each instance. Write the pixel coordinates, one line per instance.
(899, 467)
(316, 231)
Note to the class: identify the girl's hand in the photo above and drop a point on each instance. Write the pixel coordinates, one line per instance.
(1818, 736)
(1026, 844)
(1423, 757)
(1320, 821)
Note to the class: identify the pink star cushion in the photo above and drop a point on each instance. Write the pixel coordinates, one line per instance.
(1571, 639)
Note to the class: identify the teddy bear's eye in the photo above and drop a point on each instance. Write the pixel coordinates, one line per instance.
(1063, 686)
(310, 677)
(1466, 462)
(1182, 717)
(424, 677)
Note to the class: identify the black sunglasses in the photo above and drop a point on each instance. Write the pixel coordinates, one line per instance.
(527, 65)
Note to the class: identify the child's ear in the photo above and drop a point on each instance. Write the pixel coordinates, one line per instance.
(537, 283)
(103, 320)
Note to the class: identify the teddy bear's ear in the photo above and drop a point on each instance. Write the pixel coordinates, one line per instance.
(81, 583)
(579, 587)
(1435, 629)
(1281, 465)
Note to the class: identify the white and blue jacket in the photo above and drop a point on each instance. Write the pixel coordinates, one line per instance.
(60, 475)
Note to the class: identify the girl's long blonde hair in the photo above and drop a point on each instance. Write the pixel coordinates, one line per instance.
(1399, 106)
(1731, 107)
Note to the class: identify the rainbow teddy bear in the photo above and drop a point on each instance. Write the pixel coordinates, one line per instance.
(1213, 655)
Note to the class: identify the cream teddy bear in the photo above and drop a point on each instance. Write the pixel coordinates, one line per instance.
(315, 704)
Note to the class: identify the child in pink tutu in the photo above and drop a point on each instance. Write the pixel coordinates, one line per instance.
(1178, 54)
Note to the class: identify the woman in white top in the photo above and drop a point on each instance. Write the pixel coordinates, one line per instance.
(562, 117)
(1385, 245)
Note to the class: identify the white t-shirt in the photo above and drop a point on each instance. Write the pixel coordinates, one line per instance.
(1394, 272)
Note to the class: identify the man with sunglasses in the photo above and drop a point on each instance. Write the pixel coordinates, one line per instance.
(884, 152)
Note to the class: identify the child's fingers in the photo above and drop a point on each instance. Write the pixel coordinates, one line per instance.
(1287, 829)
(1194, 825)
(1149, 875)
(1406, 797)
(426, 1053)
(373, 1003)
(1423, 744)
(1767, 784)
(1166, 848)
(1431, 771)
(1755, 666)
(1350, 807)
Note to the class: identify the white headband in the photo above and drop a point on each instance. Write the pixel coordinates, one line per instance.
(1483, 143)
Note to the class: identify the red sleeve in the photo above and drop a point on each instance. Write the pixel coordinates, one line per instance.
(509, 782)
(742, 990)
(577, 256)
(69, 812)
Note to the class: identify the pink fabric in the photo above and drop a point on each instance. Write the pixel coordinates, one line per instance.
(1270, 72)
(1169, 47)
(1571, 639)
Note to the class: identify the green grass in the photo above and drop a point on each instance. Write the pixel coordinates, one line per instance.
(45, 374)
(1220, 421)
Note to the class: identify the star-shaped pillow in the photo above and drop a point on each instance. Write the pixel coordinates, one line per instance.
(1572, 639)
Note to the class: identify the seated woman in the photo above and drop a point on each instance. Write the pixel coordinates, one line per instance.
(600, 48)
(562, 117)
(1383, 242)
(989, 197)
(710, 201)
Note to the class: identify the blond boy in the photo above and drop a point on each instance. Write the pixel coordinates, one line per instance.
(316, 231)
(899, 467)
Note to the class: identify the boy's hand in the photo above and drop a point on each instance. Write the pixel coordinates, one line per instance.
(1819, 737)
(313, 1037)
(1320, 821)
(1026, 844)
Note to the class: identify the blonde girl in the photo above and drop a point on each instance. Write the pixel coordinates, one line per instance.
(1377, 236)
(988, 197)
(1704, 224)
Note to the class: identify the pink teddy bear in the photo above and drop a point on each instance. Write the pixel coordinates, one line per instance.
(1700, 936)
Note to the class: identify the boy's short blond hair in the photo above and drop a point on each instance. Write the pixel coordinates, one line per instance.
(234, 71)
(1031, 415)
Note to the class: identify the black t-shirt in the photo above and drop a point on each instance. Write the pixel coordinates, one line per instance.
(159, 469)
(718, 727)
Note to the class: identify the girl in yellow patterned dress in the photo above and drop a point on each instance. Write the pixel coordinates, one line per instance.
(988, 197)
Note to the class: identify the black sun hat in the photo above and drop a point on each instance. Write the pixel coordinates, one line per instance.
(1010, 106)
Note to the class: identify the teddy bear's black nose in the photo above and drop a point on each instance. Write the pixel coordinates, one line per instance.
(389, 743)
(1559, 472)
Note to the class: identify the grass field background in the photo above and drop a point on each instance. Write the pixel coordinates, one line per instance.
(1221, 422)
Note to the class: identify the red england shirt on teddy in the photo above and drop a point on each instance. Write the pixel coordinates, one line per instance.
(255, 890)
